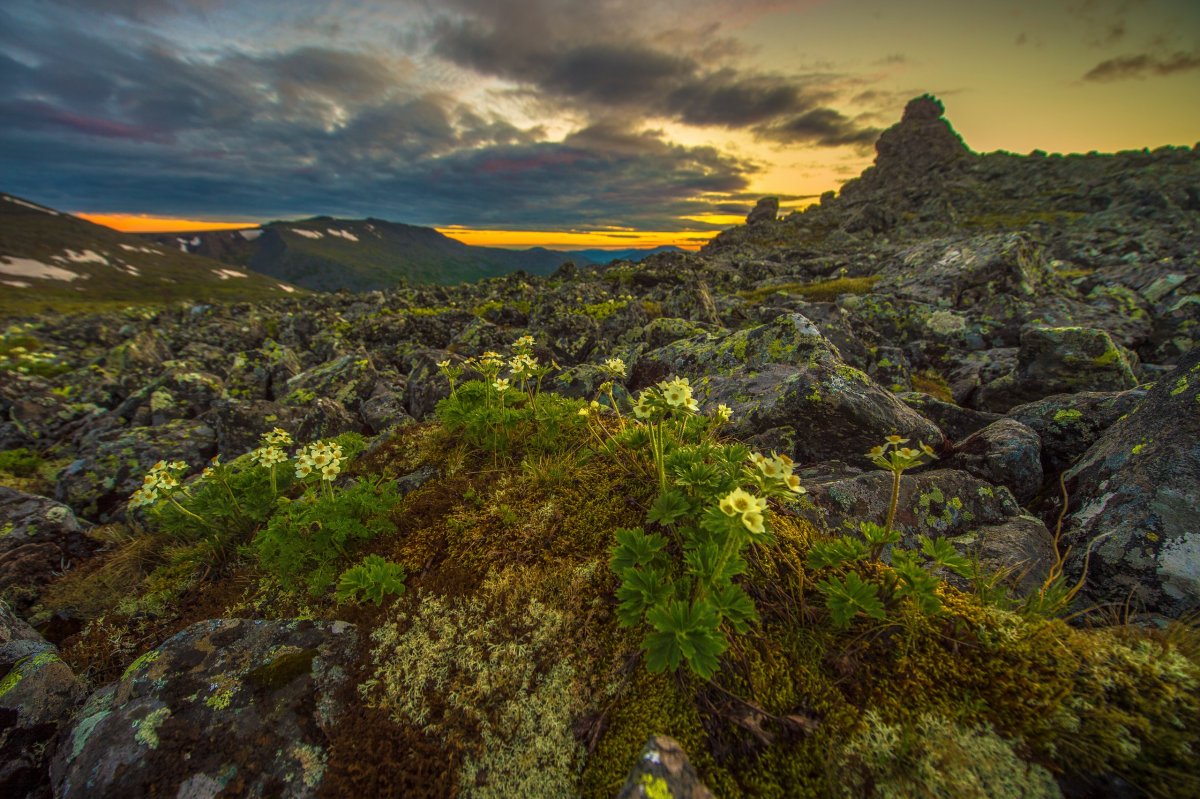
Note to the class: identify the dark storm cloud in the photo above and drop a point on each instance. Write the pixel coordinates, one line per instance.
(562, 52)
(1141, 66)
(821, 126)
(101, 113)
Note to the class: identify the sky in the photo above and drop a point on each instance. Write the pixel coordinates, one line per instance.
(550, 122)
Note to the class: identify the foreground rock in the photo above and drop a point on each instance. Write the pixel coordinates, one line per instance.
(663, 770)
(783, 381)
(1134, 498)
(1005, 453)
(41, 538)
(230, 706)
(38, 692)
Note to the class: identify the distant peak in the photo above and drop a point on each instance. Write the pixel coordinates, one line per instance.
(921, 140)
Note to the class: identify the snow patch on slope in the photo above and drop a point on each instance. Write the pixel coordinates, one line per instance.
(308, 234)
(84, 257)
(285, 287)
(27, 267)
(50, 211)
(345, 234)
(225, 274)
(250, 235)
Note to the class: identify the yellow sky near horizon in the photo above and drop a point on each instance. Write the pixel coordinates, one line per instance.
(509, 239)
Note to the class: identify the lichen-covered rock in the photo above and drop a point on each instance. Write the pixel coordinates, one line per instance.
(138, 359)
(955, 421)
(225, 707)
(663, 770)
(1068, 424)
(349, 379)
(1005, 453)
(39, 539)
(426, 385)
(239, 424)
(940, 503)
(263, 373)
(385, 408)
(113, 462)
(326, 418)
(38, 692)
(783, 381)
(765, 210)
(1060, 360)
(1022, 548)
(1134, 497)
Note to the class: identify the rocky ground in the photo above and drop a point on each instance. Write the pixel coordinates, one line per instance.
(1030, 318)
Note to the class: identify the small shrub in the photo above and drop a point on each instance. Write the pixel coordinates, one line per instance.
(305, 540)
(374, 578)
(20, 462)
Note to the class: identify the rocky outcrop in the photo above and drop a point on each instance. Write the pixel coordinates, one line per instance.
(230, 705)
(1134, 496)
(663, 770)
(38, 693)
(39, 540)
(782, 381)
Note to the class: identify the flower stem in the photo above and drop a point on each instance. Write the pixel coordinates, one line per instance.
(891, 516)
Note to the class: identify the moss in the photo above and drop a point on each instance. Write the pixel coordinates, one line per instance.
(147, 727)
(931, 382)
(282, 669)
(820, 291)
(602, 310)
(1068, 416)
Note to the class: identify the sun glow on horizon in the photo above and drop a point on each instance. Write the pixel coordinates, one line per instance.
(578, 240)
(146, 223)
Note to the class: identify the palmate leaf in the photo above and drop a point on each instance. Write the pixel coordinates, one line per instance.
(917, 584)
(669, 506)
(846, 598)
(943, 553)
(640, 590)
(684, 631)
(634, 548)
(836, 552)
(878, 535)
(734, 606)
(702, 561)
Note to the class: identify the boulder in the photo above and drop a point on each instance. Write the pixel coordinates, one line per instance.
(349, 379)
(239, 424)
(1060, 360)
(765, 210)
(113, 462)
(1133, 502)
(230, 706)
(1005, 453)
(38, 693)
(39, 539)
(955, 421)
(789, 390)
(663, 770)
(1068, 424)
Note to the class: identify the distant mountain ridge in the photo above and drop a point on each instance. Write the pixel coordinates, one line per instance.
(327, 254)
(52, 260)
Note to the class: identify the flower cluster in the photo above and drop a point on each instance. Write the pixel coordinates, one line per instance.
(162, 477)
(614, 368)
(775, 471)
(669, 396)
(896, 458)
(749, 507)
(270, 451)
(323, 458)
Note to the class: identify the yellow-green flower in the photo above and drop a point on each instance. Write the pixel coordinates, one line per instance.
(724, 413)
(754, 522)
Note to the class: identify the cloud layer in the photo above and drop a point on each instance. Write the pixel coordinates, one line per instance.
(431, 113)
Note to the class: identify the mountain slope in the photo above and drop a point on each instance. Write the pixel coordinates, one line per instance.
(54, 261)
(327, 254)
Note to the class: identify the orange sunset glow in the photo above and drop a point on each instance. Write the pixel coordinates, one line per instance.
(557, 240)
(144, 223)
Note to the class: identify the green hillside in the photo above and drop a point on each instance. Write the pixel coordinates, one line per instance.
(51, 261)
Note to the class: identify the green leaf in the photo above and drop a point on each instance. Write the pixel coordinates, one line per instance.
(375, 578)
(684, 632)
(836, 552)
(735, 606)
(634, 548)
(877, 535)
(847, 598)
(943, 553)
(669, 506)
(921, 587)
(640, 590)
